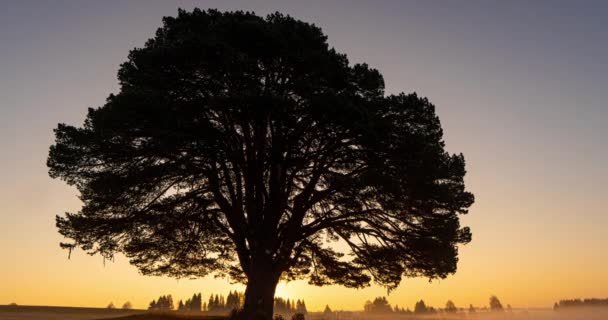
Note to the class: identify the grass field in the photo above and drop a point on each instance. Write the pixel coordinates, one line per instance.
(68, 313)
(148, 316)
(61, 313)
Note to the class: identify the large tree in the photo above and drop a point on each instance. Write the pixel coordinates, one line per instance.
(246, 147)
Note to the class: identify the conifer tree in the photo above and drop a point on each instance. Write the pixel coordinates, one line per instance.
(252, 146)
(181, 306)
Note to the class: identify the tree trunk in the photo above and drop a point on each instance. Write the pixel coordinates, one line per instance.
(259, 294)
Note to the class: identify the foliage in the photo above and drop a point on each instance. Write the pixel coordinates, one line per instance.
(235, 314)
(495, 304)
(127, 305)
(246, 147)
(402, 310)
(592, 302)
(298, 316)
(164, 303)
(420, 307)
(379, 305)
(233, 302)
(283, 306)
(301, 307)
(217, 303)
(450, 307)
(193, 304)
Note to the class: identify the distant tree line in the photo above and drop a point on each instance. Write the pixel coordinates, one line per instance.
(380, 305)
(126, 306)
(219, 304)
(570, 303)
(163, 303)
(193, 304)
(283, 306)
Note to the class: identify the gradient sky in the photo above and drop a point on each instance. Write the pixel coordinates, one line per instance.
(520, 87)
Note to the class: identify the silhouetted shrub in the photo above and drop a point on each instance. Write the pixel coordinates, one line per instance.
(239, 314)
(298, 316)
(236, 314)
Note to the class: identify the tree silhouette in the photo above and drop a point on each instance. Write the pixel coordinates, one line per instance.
(181, 306)
(164, 303)
(301, 307)
(196, 303)
(127, 305)
(420, 307)
(233, 301)
(244, 146)
(379, 305)
(592, 302)
(471, 309)
(450, 307)
(495, 304)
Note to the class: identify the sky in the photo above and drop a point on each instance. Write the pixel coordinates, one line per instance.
(520, 88)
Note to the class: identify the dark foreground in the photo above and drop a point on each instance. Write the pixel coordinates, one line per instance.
(148, 316)
(61, 313)
(67, 313)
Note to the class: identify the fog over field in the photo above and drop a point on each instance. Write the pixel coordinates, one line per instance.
(65, 313)
(60, 313)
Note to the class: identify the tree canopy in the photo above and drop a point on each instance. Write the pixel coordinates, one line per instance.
(495, 304)
(240, 145)
(421, 307)
(379, 305)
(450, 307)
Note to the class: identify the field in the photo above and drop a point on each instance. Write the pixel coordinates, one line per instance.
(67, 313)
(70, 313)
(60, 313)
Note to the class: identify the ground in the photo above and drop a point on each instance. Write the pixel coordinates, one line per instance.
(147, 316)
(66, 313)
(60, 313)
